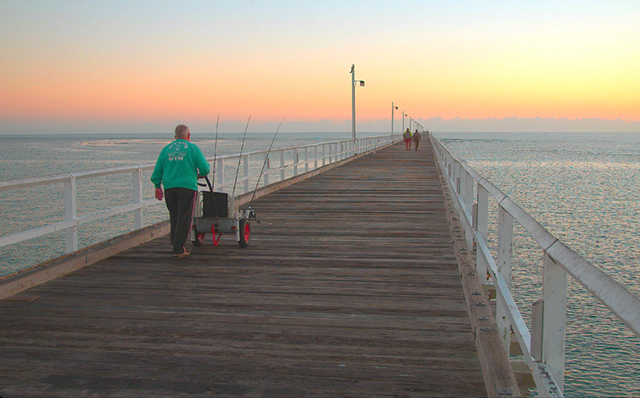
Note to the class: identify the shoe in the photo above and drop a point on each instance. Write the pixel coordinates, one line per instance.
(183, 254)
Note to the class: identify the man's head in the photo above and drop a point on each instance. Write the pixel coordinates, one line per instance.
(182, 132)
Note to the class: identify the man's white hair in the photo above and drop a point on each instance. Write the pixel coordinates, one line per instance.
(182, 131)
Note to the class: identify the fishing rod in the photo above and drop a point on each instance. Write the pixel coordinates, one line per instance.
(215, 153)
(240, 157)
(204, 200)
(266, 159)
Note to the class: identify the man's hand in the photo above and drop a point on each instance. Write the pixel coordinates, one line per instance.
(159, 194)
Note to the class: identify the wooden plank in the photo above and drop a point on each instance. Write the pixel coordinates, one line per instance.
(55, 268)
(349, 288)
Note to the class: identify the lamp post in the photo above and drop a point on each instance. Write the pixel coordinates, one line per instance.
(402, 122)
(393, 107)
(353, 99)
(409, 123)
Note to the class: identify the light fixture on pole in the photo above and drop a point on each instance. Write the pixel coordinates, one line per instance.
(393, 107)
(402, 122)
(353, 99)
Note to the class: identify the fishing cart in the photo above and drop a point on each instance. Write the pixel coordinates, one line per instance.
(216, 213)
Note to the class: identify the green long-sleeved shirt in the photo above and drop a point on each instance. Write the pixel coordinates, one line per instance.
(179, 165)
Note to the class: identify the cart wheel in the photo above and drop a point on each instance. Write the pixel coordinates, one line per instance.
(245, 233)
(199, 240)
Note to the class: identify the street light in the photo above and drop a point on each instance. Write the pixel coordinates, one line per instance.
(353, 99)
(393, 107)
(403, 116)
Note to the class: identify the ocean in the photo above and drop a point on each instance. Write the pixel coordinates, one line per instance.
(584, 188)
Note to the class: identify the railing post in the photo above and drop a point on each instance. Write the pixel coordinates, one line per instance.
(324, 154)
(306, 159)
(315, 157)
(554, 296)
(504, 261)
(468, 190)
(282, 163)
(267, 165)
(246, 173)
(447, 165)
(468, 202)
(137, 198)
(70, 213)
(220, 171)
(482, 228)
(295, 162)
(456, 177)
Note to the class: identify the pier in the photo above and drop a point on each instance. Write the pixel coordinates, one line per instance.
(351, 286)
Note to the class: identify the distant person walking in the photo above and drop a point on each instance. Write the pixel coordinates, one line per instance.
(407, 138)
(178, 167)
(416, 138)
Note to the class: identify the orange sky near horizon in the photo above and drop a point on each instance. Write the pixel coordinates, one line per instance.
(512, 60)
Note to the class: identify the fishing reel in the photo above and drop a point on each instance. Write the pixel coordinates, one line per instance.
(251, 214)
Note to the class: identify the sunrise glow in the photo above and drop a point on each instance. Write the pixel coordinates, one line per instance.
(148, 62)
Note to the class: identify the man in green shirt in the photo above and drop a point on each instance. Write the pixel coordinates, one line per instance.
(178, 167)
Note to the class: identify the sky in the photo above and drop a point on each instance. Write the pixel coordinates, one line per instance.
(138, 66)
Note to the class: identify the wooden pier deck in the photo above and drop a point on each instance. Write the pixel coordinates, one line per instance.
(350, 288)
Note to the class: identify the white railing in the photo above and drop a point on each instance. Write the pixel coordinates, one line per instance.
(543, 347)
(290, 162)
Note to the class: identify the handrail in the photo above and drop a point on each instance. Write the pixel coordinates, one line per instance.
(293, 161)
(543, 347)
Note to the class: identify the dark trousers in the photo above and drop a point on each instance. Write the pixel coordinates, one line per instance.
(180, 202)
